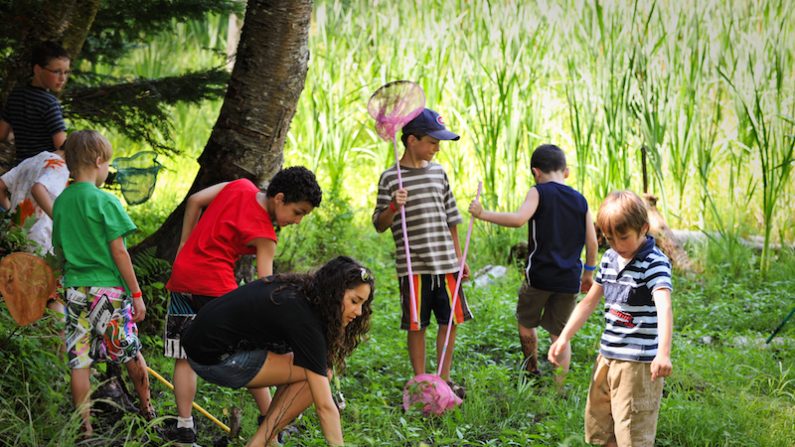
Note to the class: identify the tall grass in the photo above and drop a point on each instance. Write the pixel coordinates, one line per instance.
(600, 79)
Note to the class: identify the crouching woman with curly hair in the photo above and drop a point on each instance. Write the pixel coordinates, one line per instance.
(318, 319)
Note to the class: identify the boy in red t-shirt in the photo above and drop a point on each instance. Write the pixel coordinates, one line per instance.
(238, 219)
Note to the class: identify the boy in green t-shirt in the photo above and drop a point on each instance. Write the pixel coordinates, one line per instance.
(103, 299)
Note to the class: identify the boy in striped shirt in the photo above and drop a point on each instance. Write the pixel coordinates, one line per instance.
(431, 220)
(635, 349)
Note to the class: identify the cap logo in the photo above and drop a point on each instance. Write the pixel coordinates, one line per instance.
(439, 120)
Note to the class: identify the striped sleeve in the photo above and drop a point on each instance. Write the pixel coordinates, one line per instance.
(451, 208)
(658, 273)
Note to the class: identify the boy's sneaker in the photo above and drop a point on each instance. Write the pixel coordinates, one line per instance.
(183, 437)
(458, 390)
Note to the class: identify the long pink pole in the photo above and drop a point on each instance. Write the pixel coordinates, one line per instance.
(412, 295)
(457, 286)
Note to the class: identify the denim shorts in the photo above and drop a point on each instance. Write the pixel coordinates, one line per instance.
(234, 370)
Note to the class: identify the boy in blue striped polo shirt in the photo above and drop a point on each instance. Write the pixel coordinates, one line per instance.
(635, 350)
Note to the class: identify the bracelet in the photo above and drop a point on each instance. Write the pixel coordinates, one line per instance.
(393, 207)
(137, 295)
(589, 268)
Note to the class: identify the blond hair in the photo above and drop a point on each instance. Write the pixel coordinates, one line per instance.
(620, 212)
(84, 147)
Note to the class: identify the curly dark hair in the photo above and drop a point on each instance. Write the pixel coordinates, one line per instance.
(298, 184)
(325, 290)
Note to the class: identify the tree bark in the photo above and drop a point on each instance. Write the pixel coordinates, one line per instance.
(266, 82)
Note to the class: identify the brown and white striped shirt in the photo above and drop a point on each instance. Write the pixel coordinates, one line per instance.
(430, 212)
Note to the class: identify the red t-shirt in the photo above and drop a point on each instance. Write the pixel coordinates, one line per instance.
(206, 264)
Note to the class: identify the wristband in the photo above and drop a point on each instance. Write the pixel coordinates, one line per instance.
(393, 207)
(589, 268)
(137, 295)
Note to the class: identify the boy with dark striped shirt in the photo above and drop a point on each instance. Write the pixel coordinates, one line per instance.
(635, 349)
(431, 220)
(32, 112)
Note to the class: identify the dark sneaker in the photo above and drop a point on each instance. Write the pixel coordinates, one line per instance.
(183, 437)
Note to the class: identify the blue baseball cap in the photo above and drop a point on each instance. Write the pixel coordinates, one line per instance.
(429, 123)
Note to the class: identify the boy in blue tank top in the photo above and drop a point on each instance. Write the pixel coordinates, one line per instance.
(559, 225)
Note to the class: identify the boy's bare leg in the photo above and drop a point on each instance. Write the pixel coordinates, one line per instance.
(140, 378)
(416, 342)
(448, 357)
(565, 361)
(263, 398)
(184, 387)
(81, 385)
(288, 402)
(529, 340)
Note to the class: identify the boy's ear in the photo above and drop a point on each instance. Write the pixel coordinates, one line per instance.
(566, 172)
(645, 229)
(99, 161)
(279, 197)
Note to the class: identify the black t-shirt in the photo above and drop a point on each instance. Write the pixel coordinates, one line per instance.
(257, 316)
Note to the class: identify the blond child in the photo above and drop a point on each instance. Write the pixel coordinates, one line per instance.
(635, 349)
(103, 299)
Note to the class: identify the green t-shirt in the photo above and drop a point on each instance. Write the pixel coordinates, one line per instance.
(85, 221)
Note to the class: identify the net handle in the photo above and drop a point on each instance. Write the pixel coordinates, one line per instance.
(457, 286)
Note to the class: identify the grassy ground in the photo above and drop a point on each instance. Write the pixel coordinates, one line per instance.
(728, 386)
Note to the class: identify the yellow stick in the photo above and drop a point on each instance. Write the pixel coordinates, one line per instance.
(195, 405)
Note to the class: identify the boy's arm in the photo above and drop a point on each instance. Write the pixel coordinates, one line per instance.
(5, 130)
(266, 250)
(387, 215)
(578, 318)
(515, 219)
(5, 199)
(122, 260)
(661, 365)
(591, 249)
(193, 207)
(58, 139)
(42, 198)
(457, 246)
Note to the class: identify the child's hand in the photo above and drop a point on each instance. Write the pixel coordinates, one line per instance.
(587, 282)
(475, 208)
(556, 350)
(139, 310)
(400, 197)
(661, 367)
(467, 272)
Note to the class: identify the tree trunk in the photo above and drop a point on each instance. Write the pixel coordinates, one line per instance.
(266, 82)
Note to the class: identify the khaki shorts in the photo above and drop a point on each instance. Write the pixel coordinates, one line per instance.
(623, 402)
(550, 310)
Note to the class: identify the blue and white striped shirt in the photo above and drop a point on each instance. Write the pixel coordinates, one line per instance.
(630, 313)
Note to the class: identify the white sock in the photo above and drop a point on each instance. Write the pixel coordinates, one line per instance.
(185, 422)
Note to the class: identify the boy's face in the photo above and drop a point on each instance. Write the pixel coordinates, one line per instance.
(424, 148)
(289, 213)
(53, 76)
(628, 243)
